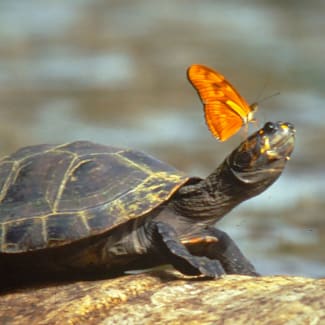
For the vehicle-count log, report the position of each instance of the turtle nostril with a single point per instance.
(290, 126)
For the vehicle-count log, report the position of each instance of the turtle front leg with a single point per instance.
(175, 253)
(216, 244)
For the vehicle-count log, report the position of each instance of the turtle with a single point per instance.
(83, 209)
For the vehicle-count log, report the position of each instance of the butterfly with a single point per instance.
(225, 110)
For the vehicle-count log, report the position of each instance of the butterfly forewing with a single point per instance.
(225, 110)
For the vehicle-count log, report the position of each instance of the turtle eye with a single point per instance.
(270, 127)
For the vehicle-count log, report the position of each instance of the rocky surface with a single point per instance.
(114, 72)
(168, 298)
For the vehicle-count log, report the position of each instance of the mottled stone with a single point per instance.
(169, 298)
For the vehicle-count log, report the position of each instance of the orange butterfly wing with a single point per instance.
(225, 110)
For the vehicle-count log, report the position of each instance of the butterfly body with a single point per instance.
(225, 110)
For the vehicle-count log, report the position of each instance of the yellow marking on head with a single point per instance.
(266, 145)
(272, 154)
(284, 127)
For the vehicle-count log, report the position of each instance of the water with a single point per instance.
(114, 73)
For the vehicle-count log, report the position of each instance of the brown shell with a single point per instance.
(53, 195)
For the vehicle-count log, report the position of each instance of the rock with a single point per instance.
(168, 298)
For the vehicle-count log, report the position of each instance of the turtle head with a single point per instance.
(249, 170)
(262, 157)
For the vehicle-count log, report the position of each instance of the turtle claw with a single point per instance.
(182, 259)
(209, 268)
(225, 251)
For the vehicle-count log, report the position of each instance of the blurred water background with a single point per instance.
(114, 72)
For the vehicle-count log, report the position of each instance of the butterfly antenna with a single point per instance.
(268, 97)
(258, 99)
(261, 99)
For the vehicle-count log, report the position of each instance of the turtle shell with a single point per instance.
(54, 195)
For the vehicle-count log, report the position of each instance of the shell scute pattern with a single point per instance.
(20, 234)
(52, 195)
